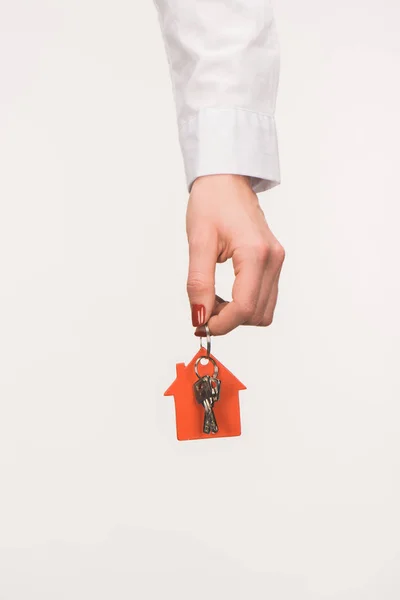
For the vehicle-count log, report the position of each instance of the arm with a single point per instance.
(224, 65)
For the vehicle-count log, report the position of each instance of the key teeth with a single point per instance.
(212, 423)
(206, 423)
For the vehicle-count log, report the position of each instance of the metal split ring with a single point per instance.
(210, 358)
(208, 340)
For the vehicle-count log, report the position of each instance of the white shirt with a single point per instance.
(224, 64)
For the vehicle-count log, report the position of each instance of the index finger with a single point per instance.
(249, 267)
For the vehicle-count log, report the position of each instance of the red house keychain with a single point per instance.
(206, 398)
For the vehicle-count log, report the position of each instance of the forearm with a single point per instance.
(224, 63)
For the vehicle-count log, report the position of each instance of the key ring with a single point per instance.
(210, 358)
(208, 340)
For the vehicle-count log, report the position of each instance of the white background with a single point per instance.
(97, 498)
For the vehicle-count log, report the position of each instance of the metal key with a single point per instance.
(209, 418)
(209, 423)
(207, 392)
(215, 388)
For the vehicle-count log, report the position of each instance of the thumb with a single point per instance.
(203, 254)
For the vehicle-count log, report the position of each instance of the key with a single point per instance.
(203, 389)
(215, 388)
(210, 423)
(207, 392)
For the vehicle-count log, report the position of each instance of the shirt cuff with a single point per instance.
(231, 140)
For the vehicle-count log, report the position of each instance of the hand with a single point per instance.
(224, 220)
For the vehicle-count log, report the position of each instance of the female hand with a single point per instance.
(224, 220)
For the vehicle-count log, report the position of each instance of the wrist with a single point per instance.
(223, 179)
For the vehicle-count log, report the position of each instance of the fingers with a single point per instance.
(269, 312)
(249, 264)
(203, 254)
(255, 291)
(265, 291)
(218, 306)
(269, 288)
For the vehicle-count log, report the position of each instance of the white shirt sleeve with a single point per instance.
(224, 64)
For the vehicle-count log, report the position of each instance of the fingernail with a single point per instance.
(198, 314)
(200, 332)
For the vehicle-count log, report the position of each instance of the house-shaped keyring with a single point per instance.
(190, 414)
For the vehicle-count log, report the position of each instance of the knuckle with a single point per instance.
(279, 253)
(262, 250)
(198, 283)
(256, 319)
(266, 321)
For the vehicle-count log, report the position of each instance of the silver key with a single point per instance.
(215, 388)
(204, 395)
(210, 422)
(207, 392)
